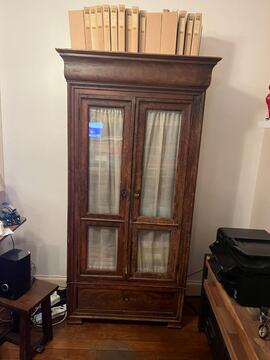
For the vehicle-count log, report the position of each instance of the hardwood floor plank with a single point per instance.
(122, 341)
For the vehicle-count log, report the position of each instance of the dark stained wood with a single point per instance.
(23, 307)
(138, 69)
(25, 337)
(134, 83)
(27, 302)
(122, 341)
(46, 320)
(237, 324)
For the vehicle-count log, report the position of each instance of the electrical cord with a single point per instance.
(195, 272)
(13, 242)
(53, 324)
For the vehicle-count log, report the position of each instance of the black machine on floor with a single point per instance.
(241, 263)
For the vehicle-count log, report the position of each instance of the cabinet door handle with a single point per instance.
(126, 298)
(137, 195)
(123, 193)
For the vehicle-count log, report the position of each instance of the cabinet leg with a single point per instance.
(74, 320)
(175, 325)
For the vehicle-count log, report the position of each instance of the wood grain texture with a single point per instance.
(38, 292)
(122, 68)
(122, 341)
(238, 324)
(135, 83)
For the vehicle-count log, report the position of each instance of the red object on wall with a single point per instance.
(268, 103)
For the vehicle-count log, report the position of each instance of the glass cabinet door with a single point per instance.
(105, 158)
(104, 185)
(156, 210)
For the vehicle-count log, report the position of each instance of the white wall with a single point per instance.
(33, 95)
(261, 207)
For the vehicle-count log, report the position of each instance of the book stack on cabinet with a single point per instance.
(117, 28)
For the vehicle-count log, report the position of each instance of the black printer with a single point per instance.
(241, 263)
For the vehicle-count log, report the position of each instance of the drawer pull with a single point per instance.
(126, 298)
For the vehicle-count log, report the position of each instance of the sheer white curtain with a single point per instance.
(105, 161)
(153, 251)
(158, 186)
(102, 248)
(159, 162)
(105, 148)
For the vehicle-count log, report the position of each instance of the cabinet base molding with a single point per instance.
(72, 320)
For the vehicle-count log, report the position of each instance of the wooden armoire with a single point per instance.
(134, 129)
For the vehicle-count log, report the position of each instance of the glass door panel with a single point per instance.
(102, 248)
(159, 182)
(104, 180)
(160, 154)
(153, 251)
(105, 148)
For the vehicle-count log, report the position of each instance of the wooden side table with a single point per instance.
(23, 307)
(231, 329)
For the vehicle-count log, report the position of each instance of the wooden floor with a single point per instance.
(122, 341)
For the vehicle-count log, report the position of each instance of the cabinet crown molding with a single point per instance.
(128, 69)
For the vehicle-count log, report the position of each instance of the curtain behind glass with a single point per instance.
(160, 162)
(102, 248)
(153, 251)
(105, 148)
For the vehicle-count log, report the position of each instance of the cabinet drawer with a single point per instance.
(130, 301)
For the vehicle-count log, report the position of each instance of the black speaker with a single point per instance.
(15, 273)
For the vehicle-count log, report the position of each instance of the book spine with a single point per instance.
(93, 24)
(114, 35)
(142, 27)
(100, 27)
(135, 29)
(87, 28)
(196, 38)
(189, 34)
(128, 30)
(121, 28)
(106, 27)
(181, 32)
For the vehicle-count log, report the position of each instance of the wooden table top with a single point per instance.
(27, 302)
(238, 324)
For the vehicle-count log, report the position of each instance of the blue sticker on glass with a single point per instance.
(95, 129)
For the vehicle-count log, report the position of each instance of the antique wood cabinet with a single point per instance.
(134, 128)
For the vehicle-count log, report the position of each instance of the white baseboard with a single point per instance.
(55, 279)
(193, 286)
